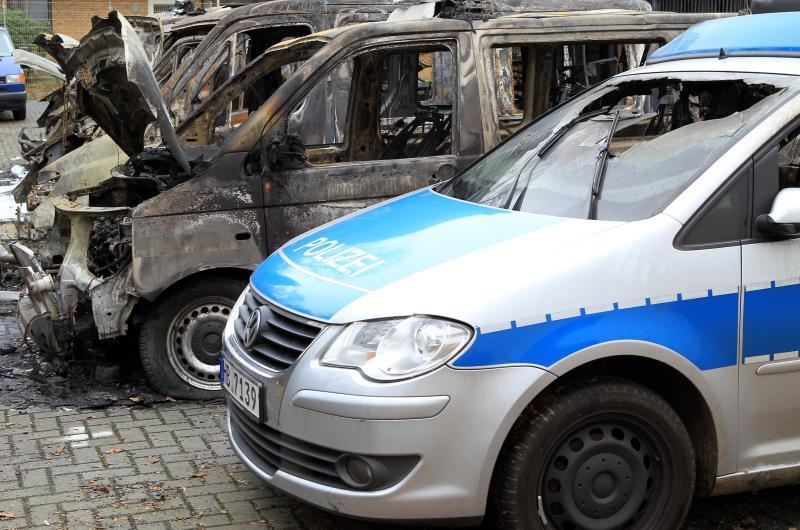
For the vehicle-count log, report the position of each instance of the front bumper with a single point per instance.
(452, 422)
(15, 100)
(39, 311)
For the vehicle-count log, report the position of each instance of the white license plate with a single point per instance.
(242, 388)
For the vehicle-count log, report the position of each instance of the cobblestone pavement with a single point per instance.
(9, 130)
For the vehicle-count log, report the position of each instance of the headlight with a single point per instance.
(15, 78)
(388, 350)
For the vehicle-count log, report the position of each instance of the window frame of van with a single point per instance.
(525, 37)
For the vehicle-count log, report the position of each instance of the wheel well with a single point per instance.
(675, 389)
(226, 272)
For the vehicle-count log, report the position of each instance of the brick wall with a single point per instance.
(74, 17)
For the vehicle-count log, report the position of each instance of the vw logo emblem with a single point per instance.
(252, 329)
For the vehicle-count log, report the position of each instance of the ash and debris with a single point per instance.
(90, 380)
(10, 280)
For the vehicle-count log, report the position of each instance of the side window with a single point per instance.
(726, 219)
(379, 105)
(529, 79)
(165, 66)
(419, 124)
(320, 119)
(215, 76)
(777, 169)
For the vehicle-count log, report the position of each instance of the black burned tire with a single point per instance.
(595, 455)
(20, 114)
(181, 338)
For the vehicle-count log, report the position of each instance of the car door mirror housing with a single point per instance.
(784, 217)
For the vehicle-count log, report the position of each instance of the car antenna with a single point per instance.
(722, 54)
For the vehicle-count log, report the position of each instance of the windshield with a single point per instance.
(6, 47)
(624, 150)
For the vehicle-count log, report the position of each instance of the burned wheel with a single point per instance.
(596, 456)
(181, 339)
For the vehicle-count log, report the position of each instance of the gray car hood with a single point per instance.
(116, 86)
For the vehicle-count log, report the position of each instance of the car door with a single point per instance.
(385, 120)
(769, 370)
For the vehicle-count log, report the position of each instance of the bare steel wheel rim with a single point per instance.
(194, 341)
(602, 476)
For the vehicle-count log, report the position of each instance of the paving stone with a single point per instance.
(35, 477)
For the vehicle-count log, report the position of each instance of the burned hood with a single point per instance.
(116, 86)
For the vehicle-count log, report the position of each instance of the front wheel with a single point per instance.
(181, 339)
(596, 456)
(19, 114)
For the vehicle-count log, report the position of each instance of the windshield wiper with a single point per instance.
(600, 169)
(546, 146)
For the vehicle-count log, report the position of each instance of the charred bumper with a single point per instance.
(39, 310)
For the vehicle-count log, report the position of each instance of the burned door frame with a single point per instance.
(488, 40)
(198, 127)
(187, 78)
(322, 200)
(169, 61)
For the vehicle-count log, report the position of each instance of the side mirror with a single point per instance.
(784, 217)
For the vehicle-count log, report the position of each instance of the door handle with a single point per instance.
(778, 367)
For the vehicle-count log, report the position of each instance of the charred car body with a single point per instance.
(221, 41)
(168, 242)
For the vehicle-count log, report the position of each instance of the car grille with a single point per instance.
(283, 338)
(271, 450)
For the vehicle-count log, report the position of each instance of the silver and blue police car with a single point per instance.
(593, 323)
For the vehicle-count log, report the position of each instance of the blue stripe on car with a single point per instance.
(329, 268)
(765, 312)
(704, 330)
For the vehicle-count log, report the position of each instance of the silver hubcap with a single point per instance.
(194, 341)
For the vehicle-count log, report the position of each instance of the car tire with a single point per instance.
(595, 455)
(181, 337)
(20, 114)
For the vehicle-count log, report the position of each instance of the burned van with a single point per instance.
(165, 246)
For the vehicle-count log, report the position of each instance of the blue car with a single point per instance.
(12, 79)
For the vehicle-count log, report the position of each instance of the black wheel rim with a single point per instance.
(601, 477)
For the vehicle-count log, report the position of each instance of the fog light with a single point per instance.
(359, 471)
(354, 470)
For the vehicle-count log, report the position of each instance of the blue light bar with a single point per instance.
(767, 35)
